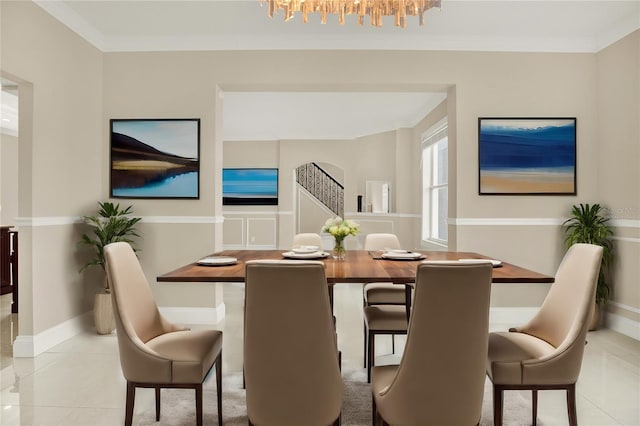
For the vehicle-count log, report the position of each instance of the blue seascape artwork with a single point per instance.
(527, 156)
(250, 186)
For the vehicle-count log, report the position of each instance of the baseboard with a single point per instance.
(186, 315)
(623, 325)
(26, 346)
(504, 315)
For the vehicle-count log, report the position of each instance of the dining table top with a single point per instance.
(359, 266)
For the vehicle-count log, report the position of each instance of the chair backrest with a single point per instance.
(563, 318)
(307, 239)
(291, 366)
(136, 313)
(381, 242)
(441, 376)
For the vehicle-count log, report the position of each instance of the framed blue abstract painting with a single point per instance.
(527, 156)
(155, 158)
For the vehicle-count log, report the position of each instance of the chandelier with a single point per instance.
(376, 9)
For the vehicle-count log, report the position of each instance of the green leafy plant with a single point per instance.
(590, 224)
(110, 224)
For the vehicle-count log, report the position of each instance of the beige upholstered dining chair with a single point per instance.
(440, 379)
(153, 352)
(384, 304)
(546, 353)
(307, 239)
(290, 354)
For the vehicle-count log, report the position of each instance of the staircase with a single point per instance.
(322, 186)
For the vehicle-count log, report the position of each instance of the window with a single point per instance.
(435, 172)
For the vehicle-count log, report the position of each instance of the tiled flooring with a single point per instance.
(79, 381)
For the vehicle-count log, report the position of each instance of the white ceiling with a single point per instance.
(503, 25)
(512, 25)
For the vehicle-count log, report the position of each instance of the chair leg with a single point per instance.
(199, 404)
(393, 343)
(157, 404)
(374, 411)
(131, 399)
(365, 344)
(219, 386)
(534, 406)
(372, 354)
(571, 405)
(497, 405)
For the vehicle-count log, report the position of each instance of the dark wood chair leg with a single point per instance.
(157, 404)
(374, 411)
(366, 341)
(497, 405)
(199, 405)
(571, 405)
(534, 406)
(131, 399)
(219, 386)
(393, 343)
(372, 346)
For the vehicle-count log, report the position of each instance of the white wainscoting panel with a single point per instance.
(261, 233)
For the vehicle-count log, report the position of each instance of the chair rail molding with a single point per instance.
(71, 220)
(495, 221)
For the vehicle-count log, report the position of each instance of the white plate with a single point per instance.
(217, 261)
(493, 261)
(406, 255)
(313, 255)
(305, 249)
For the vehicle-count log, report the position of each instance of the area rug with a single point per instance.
(178, 406)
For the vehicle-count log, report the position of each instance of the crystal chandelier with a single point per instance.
(376, 9)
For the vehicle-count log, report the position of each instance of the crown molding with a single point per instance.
(75, 22)
(414, 42)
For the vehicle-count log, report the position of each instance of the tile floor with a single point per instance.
(79, 382)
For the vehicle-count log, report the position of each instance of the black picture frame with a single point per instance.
(154, 158)
(527, 156)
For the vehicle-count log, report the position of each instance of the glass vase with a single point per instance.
(338, 250)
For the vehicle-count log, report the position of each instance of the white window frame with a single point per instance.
(430, 138)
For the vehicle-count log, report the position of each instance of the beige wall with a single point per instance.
(8, 179)
(478, 84)
(377, 158)
(618, 153)
(76, 89)
(61, 165)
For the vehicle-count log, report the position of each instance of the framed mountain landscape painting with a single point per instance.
(156, 158)
(527, 156)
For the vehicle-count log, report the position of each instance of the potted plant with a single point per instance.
(109, 225)
(590, 224)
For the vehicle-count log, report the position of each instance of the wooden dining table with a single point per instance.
(359, 266)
